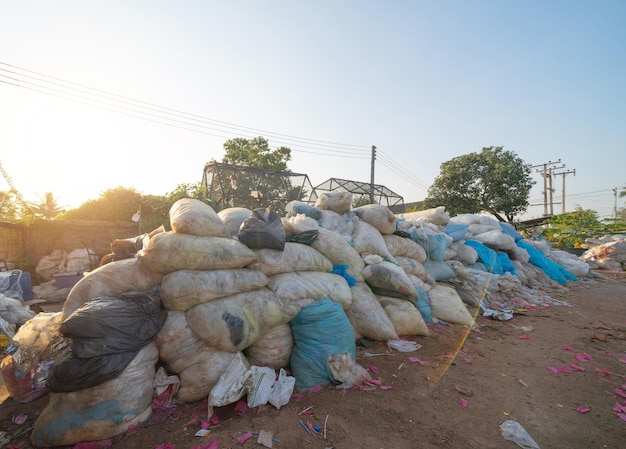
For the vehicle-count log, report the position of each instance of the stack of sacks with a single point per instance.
(382, 269)
(217, 305)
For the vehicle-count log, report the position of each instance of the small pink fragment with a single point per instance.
(245, 437)
(204, 424)
(371, 381)
(191, 421)
(19, 419)
(241, 407)
(559, 369)
(607, 354)
(582, 409)
(467, 360)
(567, 348)
(576, 367)
(623, 360)
(619, 408)
(619, 392)
(622, 416)
(421, 362)
(297, 396)
(449, 356)
(524, 337)
(315, 389)
(478, 331)
(165, 446)
(603, 372)
(583, 357)
(386, 387)
(373, 369)
(215, 420)
(212, 445)
(463, 402)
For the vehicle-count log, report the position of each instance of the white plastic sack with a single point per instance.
(339, 201)
(367, 315)
(111, 279)
(232, 218)
(378, 216)
(367, 240)
(183, 289)
(446, 305)
(404, 316)
(312, 285)
(294, 257)
(192, 216)
(170, 251)
(401, 246)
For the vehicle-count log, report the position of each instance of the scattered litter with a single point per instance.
(463, 402)
(307, 411)
(524, 337)
(583, 357)
(245, 437)
(19, 419)
(513, 431)
(265, 438)
(403, 345)
(583, 409)
(619, 392)
(602, 372)
(567, 348)
(523, 383)
(559, 369)
(500, 315)
(203, 433)
(421, 362)
(576, 367)
(524, 328)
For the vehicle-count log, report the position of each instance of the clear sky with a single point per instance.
(423, 81)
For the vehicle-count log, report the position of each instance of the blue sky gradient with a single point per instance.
(423, 81)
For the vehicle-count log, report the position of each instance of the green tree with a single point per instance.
(118, 204)
(570, 230)
(255, 152)
(494, 181)
(8, 206)
(48, 207)
(250, 177)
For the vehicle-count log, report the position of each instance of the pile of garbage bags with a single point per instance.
(224, 294)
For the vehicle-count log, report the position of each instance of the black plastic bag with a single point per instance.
(264, 229)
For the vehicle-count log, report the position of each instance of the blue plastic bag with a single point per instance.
(319, 330)
(505, 262)
(487, 256)
(554, 271)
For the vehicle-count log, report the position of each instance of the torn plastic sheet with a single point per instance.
(501, 315)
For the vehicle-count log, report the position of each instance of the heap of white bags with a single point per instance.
(230, 302)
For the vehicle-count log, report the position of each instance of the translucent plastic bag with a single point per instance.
(513, 431)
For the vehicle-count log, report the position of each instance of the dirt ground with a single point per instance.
(454, 392)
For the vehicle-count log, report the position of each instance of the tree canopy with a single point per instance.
(48, 207)
(494, 181)
(255, 152)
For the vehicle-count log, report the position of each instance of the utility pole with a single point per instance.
(372, 175)
(563, 173)
(544, 173)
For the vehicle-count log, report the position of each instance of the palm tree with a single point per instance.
(622, 194)
(48, 208)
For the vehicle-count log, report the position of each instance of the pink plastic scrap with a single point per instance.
(241, 407)
(567, 348)
(165, 446)
(582, 409)
(315, 389)
(619, 408)
(583, 357)
(603, 372)
(619, 392)
(19, 419)
(576, 367)
(559, 369)
(372, 369)
(421, 362)
(386, 387)
(245, 437)
(622, 416)
(524, 337)
(463, 402)
(193, 420)
(297, 396)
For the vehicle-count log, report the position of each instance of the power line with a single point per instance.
(106, 100)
